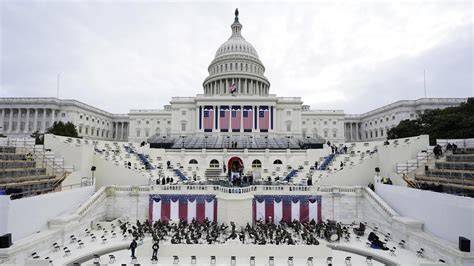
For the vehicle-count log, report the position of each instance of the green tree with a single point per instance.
(39, 138)
(61, 129)
(448, 123)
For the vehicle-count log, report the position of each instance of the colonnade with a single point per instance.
(353, 132)
(121, 130)
(27, 120)
(244, 86)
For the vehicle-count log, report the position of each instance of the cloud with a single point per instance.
(122, 56)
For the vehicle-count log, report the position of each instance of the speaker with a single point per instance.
(377, 170)
(6, 241)
(464, 244)
(93, 168)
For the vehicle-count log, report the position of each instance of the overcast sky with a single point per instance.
(335, 55)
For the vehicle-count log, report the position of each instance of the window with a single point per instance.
(376, 133)
(412, 115)
(168, 122)
(158, 122)
(381, 120)
(147, 132)
(381, 132)
(288, 127)
(386, 119)
(288, 113)
(393, 117)
(183, 112)
(256, 164)
(139, 122)
(63, 114)
(371, 123)
(138, 132)
(304, 122)
(80, 117)
(325, 122)
(87, 130)
(87, 118)
(193, 161)
(334, 134)
(80, 130)
(214, 163)
(183, 126)
(277, 161)
(147, 122)
(93, 119)
(333, 122)
(325, 133)
(375, 122)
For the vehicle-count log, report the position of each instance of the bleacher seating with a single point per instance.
(20, 176)
(452, 174)
(225, 142)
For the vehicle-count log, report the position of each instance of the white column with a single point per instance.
(52, 116)
(18, 120)
(10, 121)
(3, 120)
(44, 120)
(27, 122)
(350, 128)
(121, 131)
(35, 125)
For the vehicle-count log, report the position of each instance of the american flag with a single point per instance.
(248, 118)
(233, 88)
(224, 118)
(235, 118)
(208, 119)
(263, 118)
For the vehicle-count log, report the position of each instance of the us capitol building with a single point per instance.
(236, 101)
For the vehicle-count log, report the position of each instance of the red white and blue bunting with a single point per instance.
(287, 208)
(182, 207)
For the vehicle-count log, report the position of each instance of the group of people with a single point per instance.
(209, 232)
(337, 150)
(438, 151)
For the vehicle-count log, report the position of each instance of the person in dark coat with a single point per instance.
(155, 248)
(132, 247)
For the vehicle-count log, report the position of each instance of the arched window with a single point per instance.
(256, 164)
(193, 161)
(277, 161)
(214, 163)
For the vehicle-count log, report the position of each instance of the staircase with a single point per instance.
(180, 175)
(20, 176)
(453, 174)
(212, 173)
(291, 175)
(327, 160)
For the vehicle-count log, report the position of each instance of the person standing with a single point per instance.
(155, 247)
(132, 247)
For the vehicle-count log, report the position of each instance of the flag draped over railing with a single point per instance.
(224, 117)
(287, 208)
(235, 118)
(248, 118)
(182, 207)
(263, 118)
(208, 118)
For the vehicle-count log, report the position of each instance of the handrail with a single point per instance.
(380, 203)
(84, 208)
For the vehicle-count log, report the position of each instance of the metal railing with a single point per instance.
(409, 166)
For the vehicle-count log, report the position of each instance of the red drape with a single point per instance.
(269, 210)
(165, 210)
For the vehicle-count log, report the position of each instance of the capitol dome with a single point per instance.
(236, 68)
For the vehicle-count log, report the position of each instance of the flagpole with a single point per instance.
(424, 80)
(57, 88)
